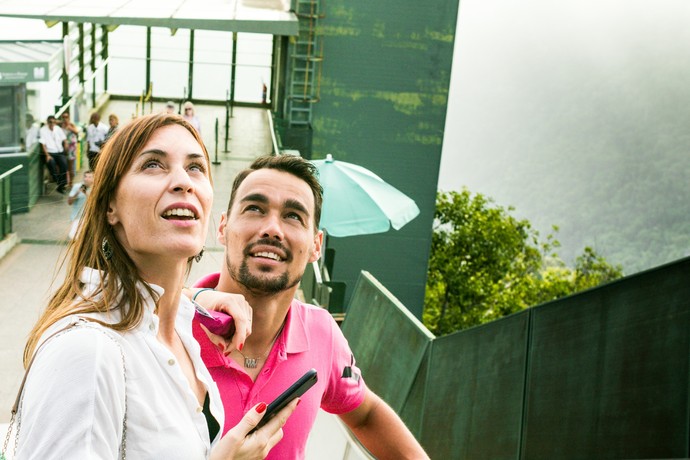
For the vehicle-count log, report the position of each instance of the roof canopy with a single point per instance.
(22, 62)
(254, 16)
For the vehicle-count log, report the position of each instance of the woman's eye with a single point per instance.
(152, 164)
(197, 167)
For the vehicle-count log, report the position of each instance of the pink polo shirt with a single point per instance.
(310, 338)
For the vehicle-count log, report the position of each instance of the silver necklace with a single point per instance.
(252, 363)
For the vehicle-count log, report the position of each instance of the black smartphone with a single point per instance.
(296, 390)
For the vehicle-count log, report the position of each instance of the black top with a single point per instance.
(213, 426)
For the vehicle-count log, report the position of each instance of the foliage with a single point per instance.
(485, 264)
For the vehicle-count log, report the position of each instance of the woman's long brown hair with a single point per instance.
(119, 275)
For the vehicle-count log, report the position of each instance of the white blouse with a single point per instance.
(73, 402)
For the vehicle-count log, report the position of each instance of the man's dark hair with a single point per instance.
(291, 164)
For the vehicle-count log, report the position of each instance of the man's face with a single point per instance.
(269, 234)
(51, 122)
(88, 179)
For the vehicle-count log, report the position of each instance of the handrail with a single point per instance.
(81, 89)
(5, 202)
(274, 140)
(7, 173)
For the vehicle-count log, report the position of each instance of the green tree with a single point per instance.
(485, 264)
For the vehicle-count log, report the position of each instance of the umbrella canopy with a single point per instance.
(358, 202)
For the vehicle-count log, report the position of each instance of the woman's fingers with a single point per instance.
(238, 443)
(224, 345)
(234, 305)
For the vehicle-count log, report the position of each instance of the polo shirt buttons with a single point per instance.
(199, 409)
(171, 362)
(152, 326)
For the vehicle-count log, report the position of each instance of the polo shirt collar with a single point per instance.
(297, 337)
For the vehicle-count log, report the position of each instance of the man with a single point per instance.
(53, 142)
(270, 234)
(77, 199)
(170, 107)
(95, 136)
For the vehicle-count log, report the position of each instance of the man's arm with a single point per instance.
(73, 196)
(381, 431)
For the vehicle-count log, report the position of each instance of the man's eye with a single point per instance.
(295, 216)
(252, 207)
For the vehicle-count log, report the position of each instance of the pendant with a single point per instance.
(250, 363)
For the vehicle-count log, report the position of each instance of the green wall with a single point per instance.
(27, 183)
(603, 374)
(384, 92)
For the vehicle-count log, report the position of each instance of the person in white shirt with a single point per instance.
(133, 383)
(77, 199)
(96, 133)
(53, 142)
(31, 133)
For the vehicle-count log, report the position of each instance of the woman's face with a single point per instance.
(162, 205)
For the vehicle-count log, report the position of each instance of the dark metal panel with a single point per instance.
(473, 408)
(380, 331)
(608, 375)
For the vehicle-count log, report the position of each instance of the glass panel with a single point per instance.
(254, 56)
(127, 68)
(170, 63)
(212, 58)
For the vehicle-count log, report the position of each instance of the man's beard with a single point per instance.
(258, 284)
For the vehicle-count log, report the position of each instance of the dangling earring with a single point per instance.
(106, 249)
(200, 255)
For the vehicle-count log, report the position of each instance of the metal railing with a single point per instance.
(274, 136)
(5, 202)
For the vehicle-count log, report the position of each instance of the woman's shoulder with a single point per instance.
(80, 341)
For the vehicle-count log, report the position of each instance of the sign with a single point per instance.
(23, 72)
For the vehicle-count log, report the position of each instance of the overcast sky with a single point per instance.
(503, 43)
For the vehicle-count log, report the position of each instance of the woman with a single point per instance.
(72, 134)
(114, 123)
(134, 381)
(191, 117)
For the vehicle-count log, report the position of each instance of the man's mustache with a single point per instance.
(268, 242)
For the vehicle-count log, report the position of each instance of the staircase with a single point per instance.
(306, 56)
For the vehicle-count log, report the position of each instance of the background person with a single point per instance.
(31, 132)
(170, 108)
(113, 123)
(270, 233)
(191, 117)
(53, 143)
(77, 198)
(95, 136)
(72, 136)
(143, 224)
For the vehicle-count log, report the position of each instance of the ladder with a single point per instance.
(306, 56)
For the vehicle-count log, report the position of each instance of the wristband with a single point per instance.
(200, 291)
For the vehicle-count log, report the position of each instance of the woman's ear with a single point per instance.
(112, 215)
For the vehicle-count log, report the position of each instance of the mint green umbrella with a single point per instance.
(358, 202)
